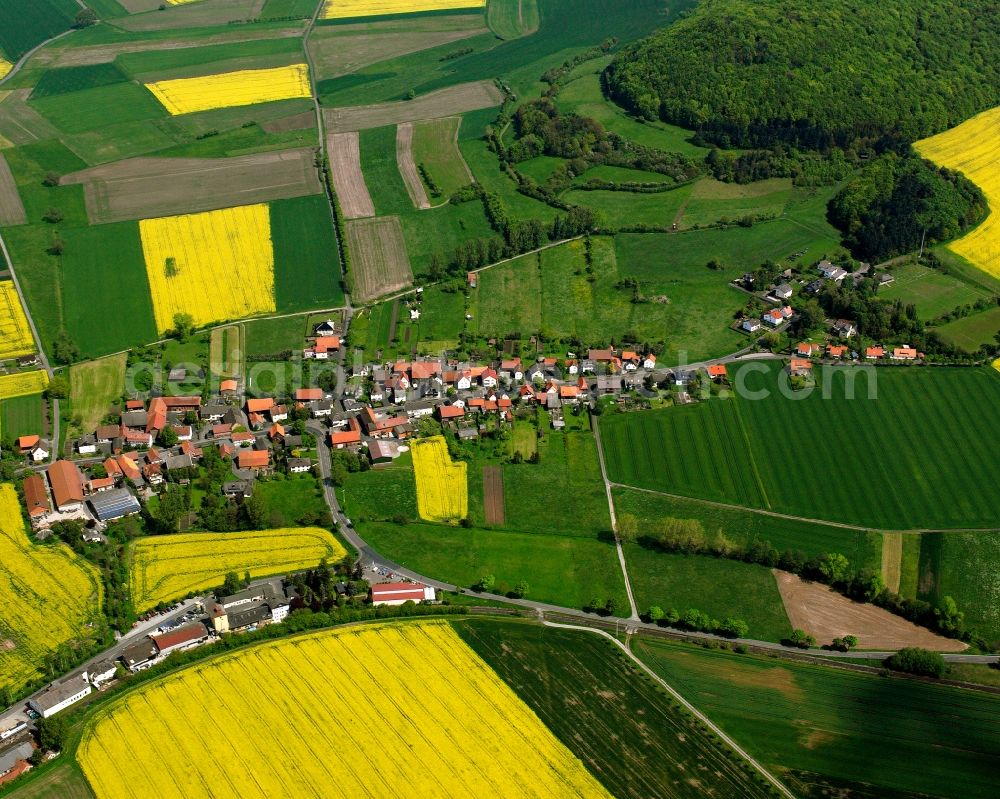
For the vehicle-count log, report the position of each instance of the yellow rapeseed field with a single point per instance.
(22, 384)
(228, 89)
(996, 364)
(973, 148)
(404, 708)
(15, 335)
(342, 9)
(48, 595)
(167, 567)
(216, 265)
(442, 491)
(5, 67)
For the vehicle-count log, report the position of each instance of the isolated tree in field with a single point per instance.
(183, 326)
(231, 584)
(246, 578)
(486, 583)
(521, 589)
(63, 348)
(85, 17)
(834, 567)
(170, 267)
(57, 247)
(51, 179)
(610, 607)
(52, 215)
(628, 528)
(914, 660)
(654, 614)
(58, 388)
(801, 639)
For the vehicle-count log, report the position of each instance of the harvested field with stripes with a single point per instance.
(379, 264)
(11, 207)
(442, 103)
(493, 498)
(822, 612)
(892, 558)
(139, 188)
(407, 167)
(348, 179)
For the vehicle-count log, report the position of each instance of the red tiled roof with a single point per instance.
(421, 370)
(308, 394)
(717, 370)
(254, 458)
(35, 498)
(67, 483)
(404, 591)
(221, 429)
(27, 443)
(341, 437)
(228, 385)
(450, 411)
(260, 405)
(187, 634)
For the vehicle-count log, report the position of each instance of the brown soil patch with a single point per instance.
(348, 179)
(140, 188)
(493, 506)
(407, 167)
(825, 614)
(22, 124)
(442, 103)
(303, 121)
(892, 560)
(11, 207)
(105, 53)
(379, 263)
(814, 738)
(338, 54)
(193, 15)
(393, 322)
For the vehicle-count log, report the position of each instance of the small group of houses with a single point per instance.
(877, 352)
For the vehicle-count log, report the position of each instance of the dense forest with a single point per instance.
(894, 203)
(851, 74)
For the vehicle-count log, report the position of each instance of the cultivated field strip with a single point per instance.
(348, 179)
(20, 123)
(15, 334)
(378, 255)
(493, 495)
(48, 595)
(442, 103)
(347, 9)
(442, 485)
(888, 450)
(215, 266)
(973, 148)
(22, 384)
(140, 188)
(376, 710)
(11, 207)
(168, 567)
(230, 89)
(192, 15)
(407, 167)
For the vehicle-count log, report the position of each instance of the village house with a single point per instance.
(836, 351)
(807, 349)
(799, 367)
(59, 696)
(751, 325)
(67, 486)
(843, 328)
(36, 498)
(393, 594)
(831, 271)
(717, 372)
(299, 465)
(258, 460)
(322, 347)
(904, 354)
(874, 353)
(783, 292)
(773, 317)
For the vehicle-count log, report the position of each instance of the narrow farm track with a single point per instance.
(614, 522)
(774, 781)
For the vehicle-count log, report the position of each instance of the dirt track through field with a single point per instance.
(348, 179)
(379, 263)
(141, 188)
(11, 207)
(892, 560)
(822, 612)
(442, 103)
(493, 506)
(407, 168)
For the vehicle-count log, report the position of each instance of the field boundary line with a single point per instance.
(790, 517)
(774, 781)
(753, 460)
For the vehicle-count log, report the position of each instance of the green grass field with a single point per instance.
(95, 386)
(226, 354)
(512, 19)
(74, 79)
(966, 567)
(306, 263)
(631, 736)
(714, 586)
(94, 109)
(286, 502)
(825, 730)
(621, 209)
(972, 332)
(932, 291)
(63, 779)
(435, 148)
(25, 25)
(22, 416)
(172, 63)
(771, 453)
(744, 527)
(562, 570)
(271, 336)
(553, 293)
